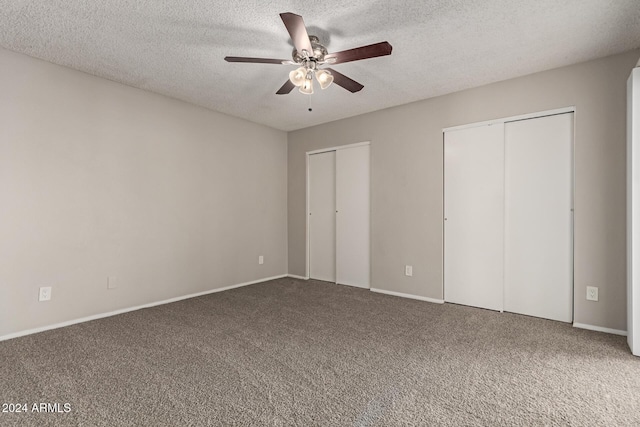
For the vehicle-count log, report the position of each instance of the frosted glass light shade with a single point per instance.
(307, 87)
(298, 76)
(324, 78)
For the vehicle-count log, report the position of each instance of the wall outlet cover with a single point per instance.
(45, 293)
(592, 293)
(112, 282)
(261, 260)
(408, 270)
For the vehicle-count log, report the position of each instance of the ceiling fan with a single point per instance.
(309, 54)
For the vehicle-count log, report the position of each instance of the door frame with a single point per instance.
(308, 199)
(504, 120)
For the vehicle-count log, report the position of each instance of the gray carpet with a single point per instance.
(289, 352)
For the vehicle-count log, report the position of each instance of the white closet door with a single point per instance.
(322, 216)
(538, 217)
(474, 216)
(352, 217)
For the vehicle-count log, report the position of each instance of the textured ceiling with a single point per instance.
(177, 48)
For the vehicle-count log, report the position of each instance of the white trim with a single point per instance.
(128, 309)
(410, 296)
(352, 285)
(339, 147)
(600, 329)
(573, 217)
(571, 109)
(307, 267)
(295, 276)
(442, 213)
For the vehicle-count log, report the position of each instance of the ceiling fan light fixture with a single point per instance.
(324, 78)
(307, 87)
(298, 76)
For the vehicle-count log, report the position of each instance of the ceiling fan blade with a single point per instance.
(344, 81)
(286, 88)
(254, 60)
(297, 31)
(358, 53)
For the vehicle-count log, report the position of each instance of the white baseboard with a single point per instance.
(600, 329)
(293, 276)
(352, 285)
(400, 294)
(128, 309)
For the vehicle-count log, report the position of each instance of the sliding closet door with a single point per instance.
(322, 216)
(473, 211)
(352, 217)
(538, 217)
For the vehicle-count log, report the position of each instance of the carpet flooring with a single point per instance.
(289, 352)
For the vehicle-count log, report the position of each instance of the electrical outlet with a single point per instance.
(112, 282)
(45, 293)
(592, 293)
(261, 260)
(408, 270)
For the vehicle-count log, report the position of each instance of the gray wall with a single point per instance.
(407, 183)
(99, 179)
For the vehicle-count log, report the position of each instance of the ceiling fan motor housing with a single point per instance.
(318, 54)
